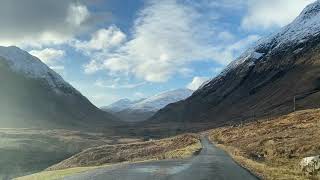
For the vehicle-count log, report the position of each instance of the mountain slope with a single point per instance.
(120, 105)
(160, 100)
(262, 81)
(133, 111)
(33, 95)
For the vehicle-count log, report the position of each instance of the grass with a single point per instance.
(182, 146)
(27, 151)
(53, 175)
(177, 147)
(273, 149)
(183, 152)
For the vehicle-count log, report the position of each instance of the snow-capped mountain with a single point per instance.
(142, 109)
(33, 95)
(305, 27)
(158, 101)
(121, 105)
(262, 82)
(22, 62)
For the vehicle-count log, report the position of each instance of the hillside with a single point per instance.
(273, 149)
(178, 147)
(175, 147)
(262, 82)
(33, 95)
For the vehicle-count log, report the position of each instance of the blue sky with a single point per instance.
(113, 49)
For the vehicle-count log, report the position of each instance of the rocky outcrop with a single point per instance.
(311, 165)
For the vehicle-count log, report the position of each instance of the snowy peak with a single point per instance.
(305, 27)
(158, 101)
(153, 103)
(311, 10)
(22, 62)
(120, 105)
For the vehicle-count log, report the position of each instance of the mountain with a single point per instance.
(158, 101)
(34, 96)
(120, 105)
(262, 82)
(133, 111)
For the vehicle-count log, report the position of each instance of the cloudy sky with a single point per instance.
(113, 49)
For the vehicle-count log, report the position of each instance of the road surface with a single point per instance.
(211, 164)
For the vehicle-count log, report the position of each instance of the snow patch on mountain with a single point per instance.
(121, 105)
(21, 61)
(158, 101)
(303, 28)
(153, 103)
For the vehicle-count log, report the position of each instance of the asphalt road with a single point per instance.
(211, 164)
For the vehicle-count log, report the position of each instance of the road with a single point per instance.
(210, 164)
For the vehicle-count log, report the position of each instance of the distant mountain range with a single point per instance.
(34, 96)
(262, 82)
(139, 110)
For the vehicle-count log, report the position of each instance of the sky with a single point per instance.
(114, 49)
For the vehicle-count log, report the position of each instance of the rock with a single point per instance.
(311, 165)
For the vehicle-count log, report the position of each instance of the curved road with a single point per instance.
(211, 164)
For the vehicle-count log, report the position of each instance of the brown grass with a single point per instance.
(273, 149)
(26, 151)
(176, 147)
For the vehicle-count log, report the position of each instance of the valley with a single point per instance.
(176, 109)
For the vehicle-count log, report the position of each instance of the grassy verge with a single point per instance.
(273, 149)
(53, 175)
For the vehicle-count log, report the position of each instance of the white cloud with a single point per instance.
(51, 57)
(48, 55)
(116, 65)
(186, 72)
(102, 40)
(267, 14)
(230, 4)
(167, 36)
(197, 82)
(116, 84)
(58, 68)
(92, 67)
(77, 14)
(33, 24)
(226, 36)
(243, 43)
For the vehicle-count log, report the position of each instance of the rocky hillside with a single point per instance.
(33, 95)
(263, 81)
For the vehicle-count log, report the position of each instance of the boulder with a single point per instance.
(311, 165)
